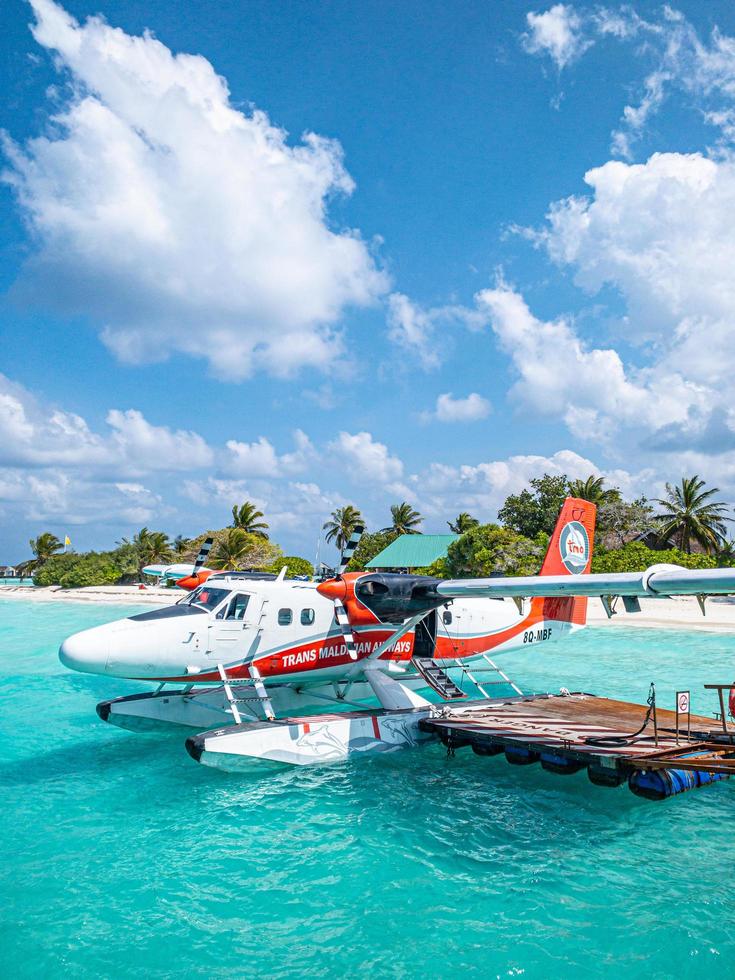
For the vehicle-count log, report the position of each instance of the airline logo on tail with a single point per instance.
(574, 547)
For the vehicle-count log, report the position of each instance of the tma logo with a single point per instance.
(574, 547)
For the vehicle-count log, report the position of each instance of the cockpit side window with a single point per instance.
(237, 606)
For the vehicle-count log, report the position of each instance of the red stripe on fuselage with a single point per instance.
(332, 652)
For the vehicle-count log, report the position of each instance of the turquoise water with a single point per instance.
(27, 582)
(122, 857)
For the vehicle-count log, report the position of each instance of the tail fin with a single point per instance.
(570, 548)
(570, 553)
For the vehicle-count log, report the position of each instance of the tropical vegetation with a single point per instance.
(405, 520)
(44, 547)
(690, 515)
(342, 524)
(462, 523)
(246, 517)
(237, 550)
(690, 524)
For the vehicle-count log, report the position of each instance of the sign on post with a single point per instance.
(682, 708)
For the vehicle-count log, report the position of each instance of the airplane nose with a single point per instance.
(86, 651)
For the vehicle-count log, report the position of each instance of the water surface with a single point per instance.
(122, 857)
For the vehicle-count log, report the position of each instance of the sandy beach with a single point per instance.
(120, 595)
(680, 613)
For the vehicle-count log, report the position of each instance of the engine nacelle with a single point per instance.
(383, 597)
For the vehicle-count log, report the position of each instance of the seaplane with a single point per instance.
(250, 662)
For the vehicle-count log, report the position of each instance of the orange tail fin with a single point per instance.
(570, 553)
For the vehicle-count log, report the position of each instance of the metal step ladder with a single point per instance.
(253, 681)
(491, 668)
(437, 679)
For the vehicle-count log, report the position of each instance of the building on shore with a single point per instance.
(412, 551)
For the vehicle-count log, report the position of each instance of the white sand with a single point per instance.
(122, 595)
(679, 613)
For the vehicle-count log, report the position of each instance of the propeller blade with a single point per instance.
(343, 621)
(349, 549)
(203, 554)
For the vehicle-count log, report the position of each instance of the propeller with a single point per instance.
(203, 554)
(349, 549)
(340, 610)
(196, 578)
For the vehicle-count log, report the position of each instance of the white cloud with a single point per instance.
(440, 490)
(178, 221)
(422, 333)
(259, 458)
(145, 447)
(469, 409)
(35, 435)
(703, 70)
(412, 328)
(557, 33)
(588, 387)
(362, 457)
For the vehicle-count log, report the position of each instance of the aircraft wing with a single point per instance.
(657, 581)
(169, 571)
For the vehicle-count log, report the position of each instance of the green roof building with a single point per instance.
(413, 551)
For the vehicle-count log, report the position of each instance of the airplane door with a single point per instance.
(227, 629)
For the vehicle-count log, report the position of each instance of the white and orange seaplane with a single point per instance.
(257, 656)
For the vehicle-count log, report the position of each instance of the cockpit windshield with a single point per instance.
(205, 597)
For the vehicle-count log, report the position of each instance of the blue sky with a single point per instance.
(507, 250)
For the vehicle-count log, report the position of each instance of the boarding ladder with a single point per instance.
(435, 675)
(437, 679)
(490, 668)
(254, 680)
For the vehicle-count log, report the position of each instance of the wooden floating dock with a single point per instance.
(569, 732)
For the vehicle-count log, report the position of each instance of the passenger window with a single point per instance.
(285, 616)
(307, 617)
(446, 617)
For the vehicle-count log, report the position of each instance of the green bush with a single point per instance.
(490, 549)
(636, 557)
(296, 566)
(72, 571)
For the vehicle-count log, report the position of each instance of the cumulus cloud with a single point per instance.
(662, 233)
(178, 221)
(481, 488)
(588, 387)
(364, 458)
(557, 33)
(32, 434)
(259, 458)
(469, 409)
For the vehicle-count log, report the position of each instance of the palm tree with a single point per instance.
(690, 515)
(236, 550)
(149, 547)
(245, 517)
(593, 489)
(181, 545)
(45, 546)
(462, 523)
(342, 523)
(405, 519)
(157, 547)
